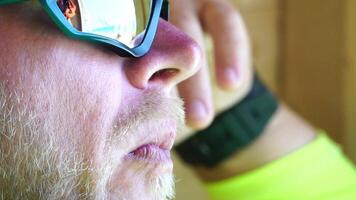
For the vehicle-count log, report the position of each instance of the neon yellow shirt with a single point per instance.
(318, 171)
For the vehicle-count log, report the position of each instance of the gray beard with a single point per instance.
(37, 165)
(33, 163)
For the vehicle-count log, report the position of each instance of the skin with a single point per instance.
(232, 70)
(84, 104)
(286, 132)
(92, 105)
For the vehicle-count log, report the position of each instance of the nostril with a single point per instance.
(164, 75)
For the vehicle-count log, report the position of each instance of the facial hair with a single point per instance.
(143, 116)
(37, 161)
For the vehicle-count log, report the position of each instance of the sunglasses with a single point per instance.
(127, 27)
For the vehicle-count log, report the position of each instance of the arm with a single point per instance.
(289, 161)
(299, 163)
(285, 133)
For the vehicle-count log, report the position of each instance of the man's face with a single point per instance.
(78, 121)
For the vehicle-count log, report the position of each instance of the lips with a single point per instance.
(151, 153)
(155, 150)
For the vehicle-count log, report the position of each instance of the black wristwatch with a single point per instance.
(232, 130)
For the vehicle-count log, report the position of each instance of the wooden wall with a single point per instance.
(262, 18)
(317, 70)
(313, 59)
(350, 78)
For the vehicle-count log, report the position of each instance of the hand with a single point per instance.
(232, 69)
(231, 48)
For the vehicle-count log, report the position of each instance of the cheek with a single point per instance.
(79, 97)
(76, 85)
(90, 99)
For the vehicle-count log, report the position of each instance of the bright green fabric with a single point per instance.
(318, 171)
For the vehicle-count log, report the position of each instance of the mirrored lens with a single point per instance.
(122, 20)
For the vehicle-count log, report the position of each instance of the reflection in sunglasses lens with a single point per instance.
(123, 20)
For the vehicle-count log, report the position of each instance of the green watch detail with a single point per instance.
(232, 130)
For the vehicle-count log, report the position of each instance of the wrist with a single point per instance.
(232, 130)
(247, 136)
(285, 133)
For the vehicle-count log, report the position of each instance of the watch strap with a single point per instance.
(231, 130)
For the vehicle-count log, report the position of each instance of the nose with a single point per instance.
(173, 57)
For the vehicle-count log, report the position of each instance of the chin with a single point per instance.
(160, 188)
(140, 179)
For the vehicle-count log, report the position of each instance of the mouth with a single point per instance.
(154, 151)
(151, 153)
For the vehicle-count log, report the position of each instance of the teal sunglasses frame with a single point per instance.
(159, 9)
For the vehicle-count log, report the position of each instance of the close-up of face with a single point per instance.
(78, 121)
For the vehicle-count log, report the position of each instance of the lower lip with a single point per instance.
(150, 153)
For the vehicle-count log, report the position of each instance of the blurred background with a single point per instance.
(305, 50)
